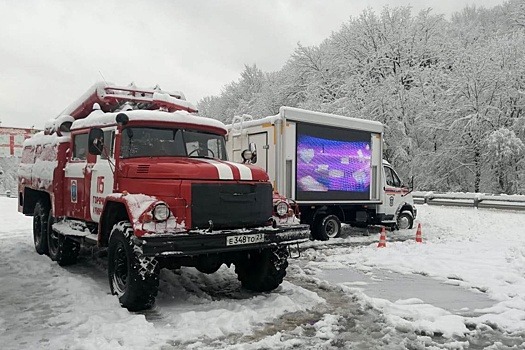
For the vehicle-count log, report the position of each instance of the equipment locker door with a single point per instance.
(261, 141)
(75, 173)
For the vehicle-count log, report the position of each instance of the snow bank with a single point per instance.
(477, 249)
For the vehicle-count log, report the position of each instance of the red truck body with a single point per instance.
(122, 159)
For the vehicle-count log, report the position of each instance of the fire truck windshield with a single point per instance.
(162, 142)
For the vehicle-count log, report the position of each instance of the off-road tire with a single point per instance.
(405, 221)
(263, 271)
(133, 277)
(61, 249)
(326, 227)
(40, 227)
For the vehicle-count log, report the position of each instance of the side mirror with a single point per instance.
(96, 141)
(122, 119)
(246, 156)
(410, 186)
(250, 155)
(253, 148)
(64, 128)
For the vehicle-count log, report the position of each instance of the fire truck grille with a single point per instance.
(231, 206)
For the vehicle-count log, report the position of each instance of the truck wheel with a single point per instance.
(132, 277)
(264, 270)
(61, 249)
(327, 227)
(40, 218)
(405, 220)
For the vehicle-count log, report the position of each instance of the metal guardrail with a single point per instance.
(476, 200)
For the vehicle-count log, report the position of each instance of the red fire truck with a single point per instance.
(137, 171)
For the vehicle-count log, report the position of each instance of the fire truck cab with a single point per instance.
(136, 171)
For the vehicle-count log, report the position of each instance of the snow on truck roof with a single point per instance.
(306, 116)
(110, 96)
(98, 118)
(40, 138)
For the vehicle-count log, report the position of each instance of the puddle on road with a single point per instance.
(394, 286)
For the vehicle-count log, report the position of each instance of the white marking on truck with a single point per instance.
(246, 172)
(224, 170)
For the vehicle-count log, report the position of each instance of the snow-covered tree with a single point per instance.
(505, 150)
(442, 88)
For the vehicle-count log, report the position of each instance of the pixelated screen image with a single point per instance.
(332, 164)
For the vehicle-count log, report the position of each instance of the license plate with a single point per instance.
(245, 239)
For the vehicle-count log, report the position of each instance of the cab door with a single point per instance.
(101, 177)
(393, 194)
(74, 177)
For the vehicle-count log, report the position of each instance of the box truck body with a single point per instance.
(330, 165)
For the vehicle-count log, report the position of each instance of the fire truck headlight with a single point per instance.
(161, 212)
(281, 208)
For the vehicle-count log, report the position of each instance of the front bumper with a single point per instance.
(197, 243)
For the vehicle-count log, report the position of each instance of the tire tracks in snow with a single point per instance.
(482, 336)
(35, 290)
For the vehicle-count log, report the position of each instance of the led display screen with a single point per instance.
(332, 163)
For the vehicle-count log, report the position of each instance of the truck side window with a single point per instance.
(391, 178)
(80, 147)
(397, 181)
(108, 144)
(388, 177)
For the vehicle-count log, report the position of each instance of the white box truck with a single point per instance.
(330, 165)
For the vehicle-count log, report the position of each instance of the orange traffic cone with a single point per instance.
(419, 239)
(382, 238)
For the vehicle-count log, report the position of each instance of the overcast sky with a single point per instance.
(53, 51)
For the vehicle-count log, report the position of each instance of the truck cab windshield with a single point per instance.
(162, 142)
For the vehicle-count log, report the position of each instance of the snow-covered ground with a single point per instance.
(481, 251)
(464, 287)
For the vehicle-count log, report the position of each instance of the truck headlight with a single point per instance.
(281, 208)
(161, 212)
